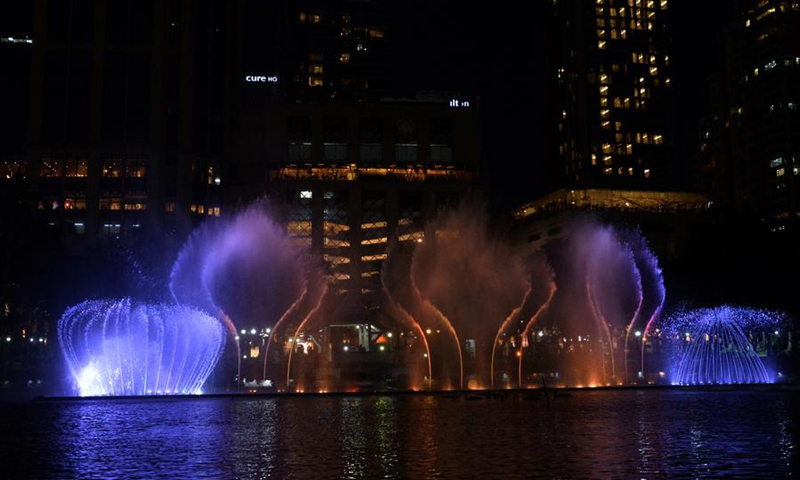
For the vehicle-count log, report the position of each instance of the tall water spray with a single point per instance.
(247, 270)
(121, 347)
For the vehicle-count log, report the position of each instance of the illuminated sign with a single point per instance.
(459, 103)
(261, 79)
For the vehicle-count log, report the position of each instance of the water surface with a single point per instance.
(625, 433)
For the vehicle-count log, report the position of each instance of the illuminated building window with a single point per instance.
(344, 57)
(375, 33)
(169, 207)
(603, 101)
(780, 172)
(654, 71)
(629, 148)
(608, 171)
(316, 68)
(601, 33)
(606, 148)
(135, 168)
(605, 113)
(315, 82)
(594, 159)
(630, 170)
(75, 202)
(607, 160)
(112, 168)
(51, 167)
(658, 139)
(302, 17)
(315, 18)
(110, 202)
(11, 168)
(601, 44)
(76, 168)
(135, 201)
(606, 124)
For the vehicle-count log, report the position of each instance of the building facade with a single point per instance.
(615, 99)
(748, 147)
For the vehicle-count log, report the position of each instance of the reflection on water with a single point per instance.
(658, 433)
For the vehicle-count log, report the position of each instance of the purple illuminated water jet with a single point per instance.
(722, 345)
(607, 287)
(123, 347)
(249, 271)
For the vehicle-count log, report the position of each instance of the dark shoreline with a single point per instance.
(471, 394)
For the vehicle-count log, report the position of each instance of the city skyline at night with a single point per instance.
(134, 126)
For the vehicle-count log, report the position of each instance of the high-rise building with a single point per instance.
(615, 142)
(342, 51)
(749, 147)
(615, 102)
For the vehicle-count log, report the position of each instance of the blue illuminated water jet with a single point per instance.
(122, 347)
(722, 345)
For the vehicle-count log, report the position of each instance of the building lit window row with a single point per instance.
(410, 173)
(647, 58)
(625, 171)
(336, 259)
(79, 168)
(204, 210)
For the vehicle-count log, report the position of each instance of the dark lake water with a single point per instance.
(625, 433)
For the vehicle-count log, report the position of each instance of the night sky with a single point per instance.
(490, 55)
